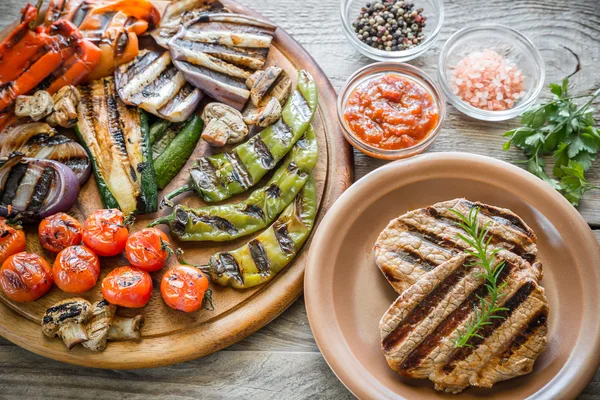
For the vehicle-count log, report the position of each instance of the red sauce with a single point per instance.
(391, 112)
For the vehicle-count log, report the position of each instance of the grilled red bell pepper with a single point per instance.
(45, 58)
(113, 25)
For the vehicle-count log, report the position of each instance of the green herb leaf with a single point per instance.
(556, 89)
(489, 308)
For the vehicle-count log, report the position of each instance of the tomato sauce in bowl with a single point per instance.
(391, 112)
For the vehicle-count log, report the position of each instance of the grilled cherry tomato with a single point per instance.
(25, 277)
(127, 287)
(59, 231)
(148, 249)
(183, 288)
(105, 232)
(12, 240)
(76, 269)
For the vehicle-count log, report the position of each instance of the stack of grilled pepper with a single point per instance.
(35, 58)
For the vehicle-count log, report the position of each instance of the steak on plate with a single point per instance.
(420, 240)
(419, 330)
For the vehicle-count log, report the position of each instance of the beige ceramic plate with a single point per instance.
(346, 295)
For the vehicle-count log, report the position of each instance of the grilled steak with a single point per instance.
(419, 330)
(441, 289)
(420, 240)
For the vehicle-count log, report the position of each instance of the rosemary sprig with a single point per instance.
(488, 309)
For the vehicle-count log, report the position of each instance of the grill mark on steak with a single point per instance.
(431, 239)
(514, 247)
(507, 219)
(537, 321)
(449, 325)
(425, 307)
(511, 304)
(410, 256)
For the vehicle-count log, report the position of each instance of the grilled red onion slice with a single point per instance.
(33, 188)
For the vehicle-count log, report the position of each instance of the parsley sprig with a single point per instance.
(566, 131)
(479, 241)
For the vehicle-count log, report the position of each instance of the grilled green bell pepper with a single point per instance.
(224, 175)
(263, 257)
(230, 221)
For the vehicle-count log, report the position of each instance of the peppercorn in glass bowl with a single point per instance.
(490, 72)
(392, 30)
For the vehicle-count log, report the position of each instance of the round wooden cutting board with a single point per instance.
(171, 336)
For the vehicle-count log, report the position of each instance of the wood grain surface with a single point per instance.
(281, 361)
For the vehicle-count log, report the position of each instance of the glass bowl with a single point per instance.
(432, 9)
(511, 45)
(407, 71)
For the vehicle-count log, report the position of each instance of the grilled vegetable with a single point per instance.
(65, 102)
(25, 277)
(114, 26)
(44, 58)
(36, 107)
(224, 125)
(59, 231)
(158, 129)
(231, 221)
(76, 269)
(185, 288)
(39, 140)
(266, 88)
(218, 52)
(106, 232)
(12, 239)
(263, 257)
(152, 82)
(66, 319)
(117, 140)
(176, 153)
(180, 13)
(33, 189)
(127, 287)
(224, 175)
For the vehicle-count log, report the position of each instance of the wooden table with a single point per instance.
(282, 361)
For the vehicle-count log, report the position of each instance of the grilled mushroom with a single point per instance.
(36, 107)
(65, 107)
(272, 83)
(67, 319)
(263, 83)
(97, 328)
(264, 116)
(224, 125)
(123, 328)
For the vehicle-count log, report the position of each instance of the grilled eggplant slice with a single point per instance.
(263, 257)
(180, 13)
(39, 140)
(224, 175)
(117, 139)
(218, 52)
(153, 83)
(32, 189)
(230, 221)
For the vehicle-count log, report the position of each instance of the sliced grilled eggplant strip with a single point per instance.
(39, 140)
(118, 141)
(153, 83)
(224, 175)
(176, 16)
(263, 257)
(218, 52)
(33, 189)
(230, 221)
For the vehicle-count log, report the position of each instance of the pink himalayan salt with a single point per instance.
(487, 81)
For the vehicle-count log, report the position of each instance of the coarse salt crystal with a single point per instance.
(488, 81)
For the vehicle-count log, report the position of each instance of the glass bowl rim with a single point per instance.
(478, 113)
(414, 73)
